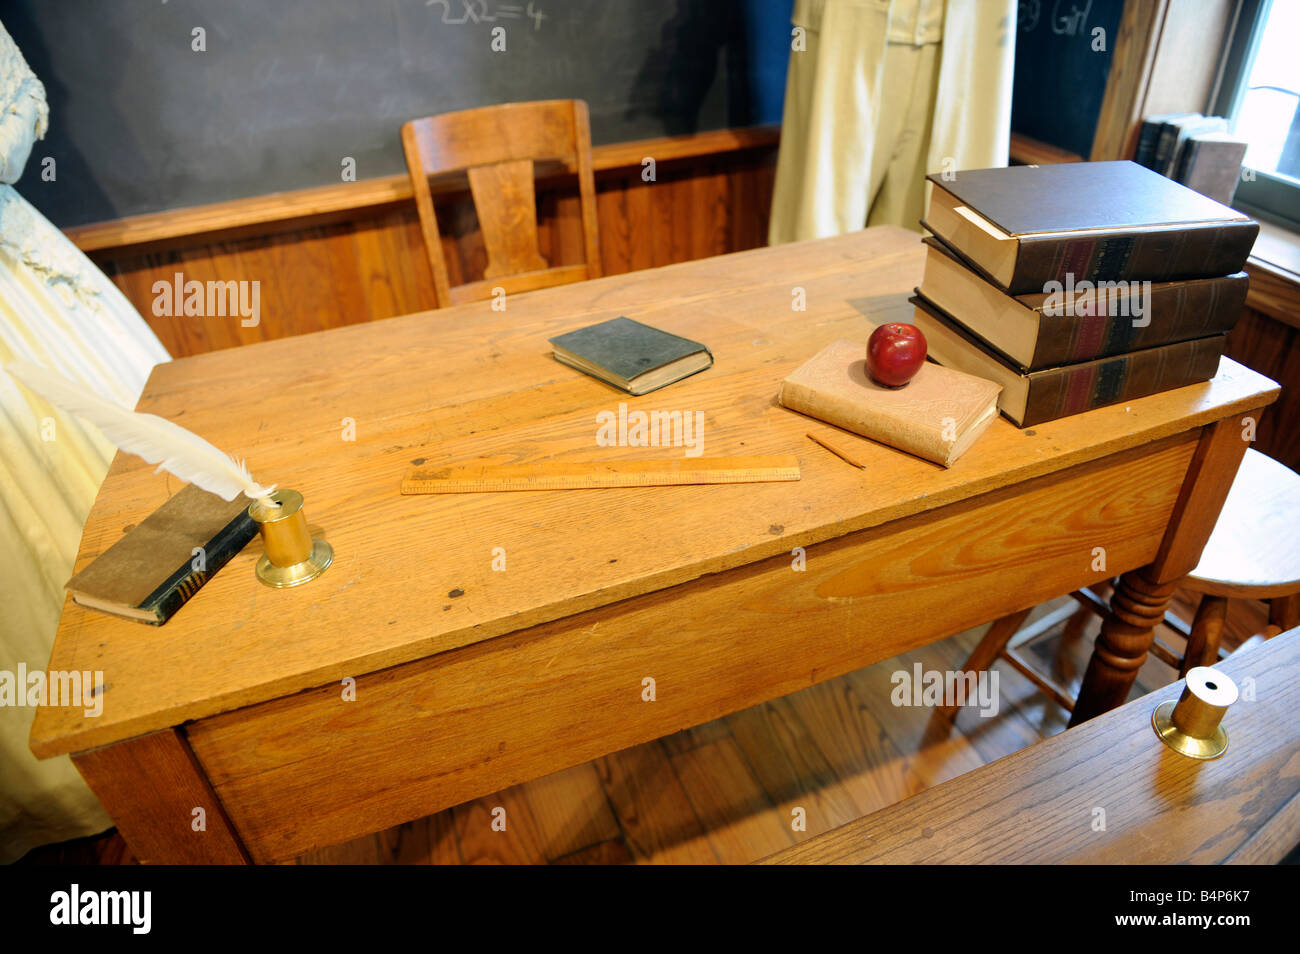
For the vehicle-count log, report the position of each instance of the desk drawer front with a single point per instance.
(312, 769)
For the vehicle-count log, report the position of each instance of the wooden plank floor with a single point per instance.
(730, 791)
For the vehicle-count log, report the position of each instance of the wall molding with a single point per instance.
(278, 211)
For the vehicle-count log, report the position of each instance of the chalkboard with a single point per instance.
(1061, 69)
(147, 114)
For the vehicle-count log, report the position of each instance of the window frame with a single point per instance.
(1267, 196)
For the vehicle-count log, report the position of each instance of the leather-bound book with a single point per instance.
(1079, 323)
(631, 355)
(937, 415)
(1026, 226)
(1051, 393)
(157, 566)
(1211, 165)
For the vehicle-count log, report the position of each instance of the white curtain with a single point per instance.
(881, 93)
(59, 310)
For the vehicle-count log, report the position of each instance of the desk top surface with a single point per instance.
(1040, 805)
(413, 576)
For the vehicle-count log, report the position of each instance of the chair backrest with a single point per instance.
(496, 146)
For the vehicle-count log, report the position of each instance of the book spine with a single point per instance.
(185, 581)
(855, 417)
(1158, 256)
(1146, 147)
(1108, 322)
(1166, 142)
(1071, 390)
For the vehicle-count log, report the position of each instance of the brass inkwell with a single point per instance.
(291, 556)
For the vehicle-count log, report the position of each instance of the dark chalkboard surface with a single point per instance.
(286, 90)
(1059, 78)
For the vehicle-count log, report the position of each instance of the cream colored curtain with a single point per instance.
(59, 310)
(881, 93)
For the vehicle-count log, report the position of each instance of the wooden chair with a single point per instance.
(1253, 553)
(497, 146)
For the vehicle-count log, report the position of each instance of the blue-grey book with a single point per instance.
(630, 355)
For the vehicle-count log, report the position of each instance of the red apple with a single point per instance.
(895, 352)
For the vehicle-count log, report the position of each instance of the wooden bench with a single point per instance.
(1047, 804)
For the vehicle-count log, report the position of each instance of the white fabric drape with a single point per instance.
(59, 310)
(881, 93)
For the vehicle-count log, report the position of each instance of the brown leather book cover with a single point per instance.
(1084, 325)
(937, 415)
(1110, 221)
(1052, 393)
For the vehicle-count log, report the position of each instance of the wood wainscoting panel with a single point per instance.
(1272, 348)
(326, 274)
(311, 769)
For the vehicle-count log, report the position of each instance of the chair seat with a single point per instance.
(1254, 551)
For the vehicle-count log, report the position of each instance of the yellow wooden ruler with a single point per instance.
(571, 475)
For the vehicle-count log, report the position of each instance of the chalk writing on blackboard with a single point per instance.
(1068, 16)
(480, 11)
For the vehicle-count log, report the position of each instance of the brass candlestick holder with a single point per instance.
(292, 557)
(1191, 726)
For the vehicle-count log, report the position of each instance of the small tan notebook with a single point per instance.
(937, 415)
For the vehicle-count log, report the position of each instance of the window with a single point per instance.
(1259, 91)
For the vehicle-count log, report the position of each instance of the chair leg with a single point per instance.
(1207, 631)
(987, 652)
(1074, 626)
(1284, 612)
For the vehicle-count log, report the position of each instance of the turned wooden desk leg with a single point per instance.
(1143, 595)
(1136, 607)
(158, 796)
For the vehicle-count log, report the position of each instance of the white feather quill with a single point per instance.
(156, 439)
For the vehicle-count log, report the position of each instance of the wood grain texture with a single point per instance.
(1143, 595)
(1038, 805)
(152, 787)
(497, 147)
(1027, 151)
(855, 721)
(374, 265)
(498, 394)
(1133, 60)
(1272, 348)
(310, 769)
(1274, 291)
(1254, 551)
(1209, 479)
(266, 214)
(659, 824)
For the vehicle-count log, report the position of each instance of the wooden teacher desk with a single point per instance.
(469, 679)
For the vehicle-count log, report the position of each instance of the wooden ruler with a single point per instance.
(572, 475)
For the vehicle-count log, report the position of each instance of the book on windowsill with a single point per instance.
(937, 415)
(1026, 226)
(1040, 396)
(1079, 323)
(1157, 137)
(1211, 165)
(154, 569)
(630, 355)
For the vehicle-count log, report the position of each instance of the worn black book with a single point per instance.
(630, 355)
(154, 570)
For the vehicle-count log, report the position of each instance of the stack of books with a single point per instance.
(1196, 150)
(1079, 285)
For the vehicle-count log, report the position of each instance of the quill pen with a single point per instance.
(156, 439)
